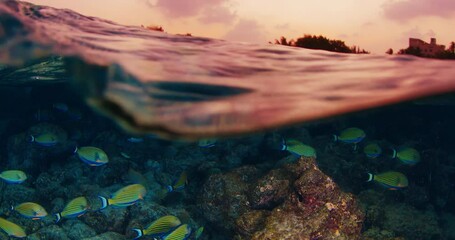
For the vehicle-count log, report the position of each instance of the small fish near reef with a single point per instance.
(75, 208)
(13, 176)
(135, 140)
(372, 150)
(124, 197)
(207, 142)
(406, 155)
(180, 183)
(158, 228)
(198, 233)
(12, 229)
(44, 139)
(180, 233)
(30, 210)
(61, 107)
(390, 180)
(297, 148)
(350, 135)
(93, 156)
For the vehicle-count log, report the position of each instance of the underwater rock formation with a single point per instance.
(298, 202)
(316, 209)
(224, 196)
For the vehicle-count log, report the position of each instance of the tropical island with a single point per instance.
(320, 42)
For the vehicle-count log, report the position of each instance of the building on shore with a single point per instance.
(427, 49)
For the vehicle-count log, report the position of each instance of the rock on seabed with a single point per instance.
(313, 208)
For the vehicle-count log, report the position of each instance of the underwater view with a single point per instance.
(110, 131)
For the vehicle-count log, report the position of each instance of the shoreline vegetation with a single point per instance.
(321, 43)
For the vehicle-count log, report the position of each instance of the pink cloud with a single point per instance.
(247, 30)
(409, 9)
(217, 14)
(207, 11)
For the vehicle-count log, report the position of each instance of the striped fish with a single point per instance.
(45, 139)
(390, 180)
(407, 155)
(12, 229)
(93, 156)
(125, 197)
(30, 210)
(13, 176)
(75, 208)
(179, 184)
(297, 148)
(198, 233)
(180, 233)
(372, 150)
(350, 135)
(159, 227)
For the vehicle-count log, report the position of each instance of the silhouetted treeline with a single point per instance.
(448, 53)
(320, 42)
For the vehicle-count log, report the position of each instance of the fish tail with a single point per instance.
(104, 202)
(335, 138)
(370, 177)
(31, 138)
(75, 150)
(394, 153)
(58, 216)
(170, 188)
(283, 144)
(139, 232)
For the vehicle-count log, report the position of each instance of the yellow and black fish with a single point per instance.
(13, 176)
(350, 135)
(407, 155)
(159, 228)
(12, 229)
(179, 184)
(198, 233)
(30, 210)
(93, 156)
(75, 208)
(372, 150)
(390, 180)
(180, 233)
(297, 148)
(45, 139)
(125, 197)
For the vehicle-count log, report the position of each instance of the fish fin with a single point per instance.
(31, 138)
(58, 216)
(170, 188)
(104, 202)
(293, 157)
(335, 138)
(139, 233)
(75, 150)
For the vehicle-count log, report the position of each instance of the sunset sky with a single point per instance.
(375, 25)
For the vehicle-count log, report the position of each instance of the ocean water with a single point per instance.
(149, 100)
